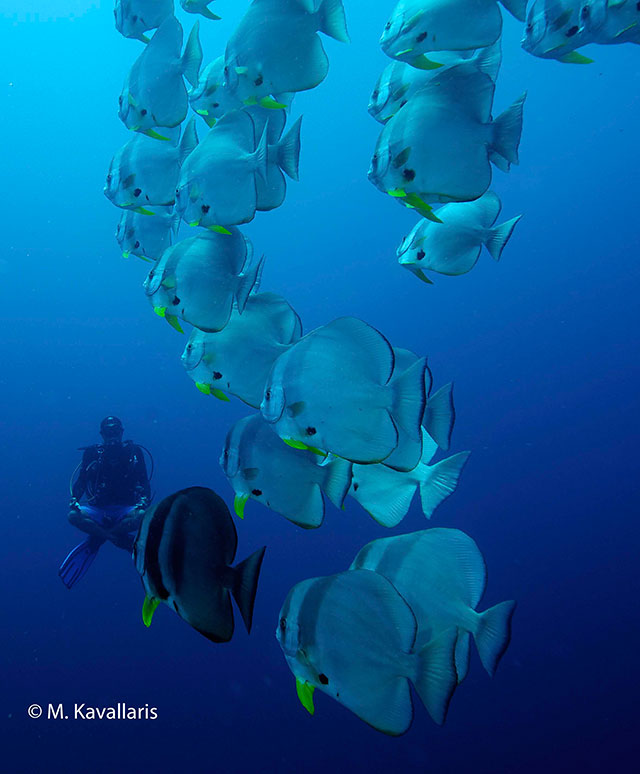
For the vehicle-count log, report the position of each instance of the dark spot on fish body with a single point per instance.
(136, 244)
(256, 492)
(258, 81)
(422, 36)
(215, 104)
(205, 208)
(137, 192)
(175, 301)
(143, 112)
(355, 487)
(217, 375)
(420, 255)
(311, 431)
(134, 18)
(408, 174)
(572, 31)
(323, 679)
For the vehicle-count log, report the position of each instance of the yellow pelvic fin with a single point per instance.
(269, 102)
(173, 322)
(126, 254)
(142, 211)
(426, 210)
(573, 57)
(202, 112)
(294, 444)
(239, 501)
(152, 133)
(148, 609)
(219, 230)
(204, 388)
(160, 310)
(422, 63)
(219, 394)
(397, 193)
(305, 694)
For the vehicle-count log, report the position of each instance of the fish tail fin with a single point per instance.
(337, 481)
(409, 398)
(245, 585)
(489, 59)
(436, 677)
(289, 151)
(391, 505)
(260, 155)
(188, 141)
(507, 129)
(192, 56)
(440, 416)
(517, 8)
(441, 481)
(494, 634)
(249, 283)
(498, 237)
(332, 20)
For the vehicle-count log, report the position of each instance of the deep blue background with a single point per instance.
(543, 349)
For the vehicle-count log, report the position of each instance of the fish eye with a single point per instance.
(387, 26)
(267, 395)
(374, 94)
(152, 273)
(137, 244)
(283, 624)
(109, 178)
(120, 99)
(189, 348)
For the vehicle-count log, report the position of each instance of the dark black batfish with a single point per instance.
(183, 553)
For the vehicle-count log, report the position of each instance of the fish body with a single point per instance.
(439, 146)
(399, 81)
(611, 22)
(442, 576)
(144, 236)
(199, 279)
(276, 49)
(154, 94)
(554, 29)
(144, 172)
(352, 636)
(135, 17)
(419, 27)
(210, 98)
(217, 184)
(453, 246)
(332, 390)
(289, 481)
(183, 553)
(237, 360)
(386, 494)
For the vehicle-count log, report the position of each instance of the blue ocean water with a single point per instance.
(543, 350)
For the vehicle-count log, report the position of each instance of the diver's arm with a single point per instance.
(80, 484)
(142, 478)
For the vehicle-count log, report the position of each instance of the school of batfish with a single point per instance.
(403, 612)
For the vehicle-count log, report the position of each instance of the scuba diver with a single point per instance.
(113, 476)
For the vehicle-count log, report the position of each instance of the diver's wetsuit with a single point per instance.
(114, 478)
(113, 474)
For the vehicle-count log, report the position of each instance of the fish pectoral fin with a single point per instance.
(148, 609)
(305, 694)
(401, 158)
(239, 501)
(295, 409)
